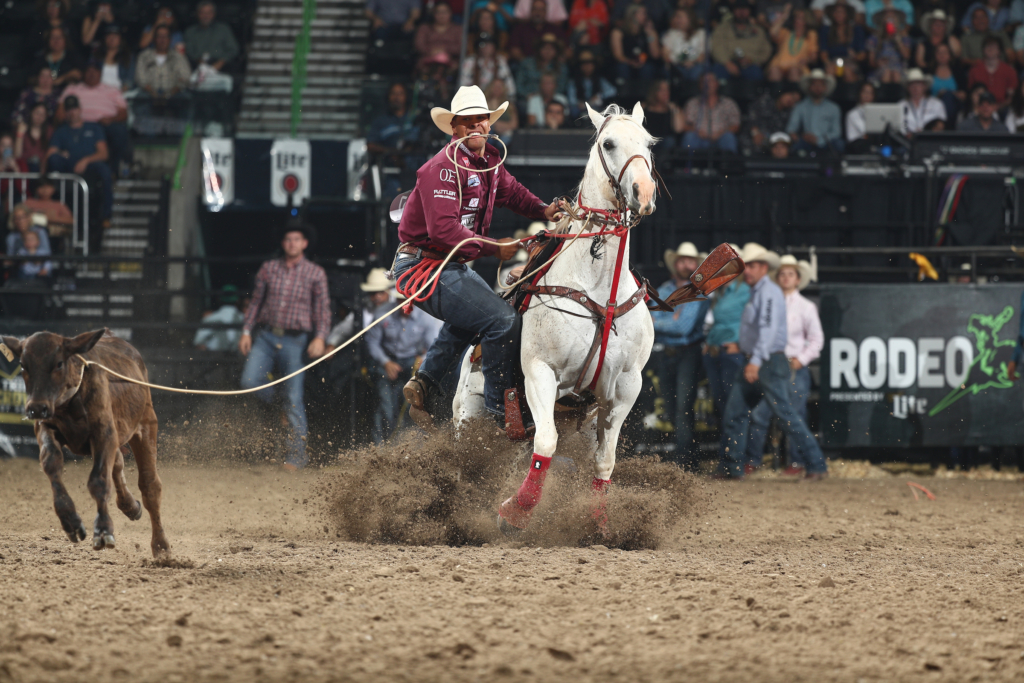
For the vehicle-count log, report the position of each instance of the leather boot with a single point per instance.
(421, 393)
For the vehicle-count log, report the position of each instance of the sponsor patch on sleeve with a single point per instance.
(474, 202)
(445, 194)
(474, 180)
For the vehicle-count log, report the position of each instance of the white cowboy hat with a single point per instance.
(376, 281)
(752, 251)
(878, 17)
(780, 137)
(803, 269)
(468, 101)
(916, 75)
(684, 249)
(818, 75)
(936, 15)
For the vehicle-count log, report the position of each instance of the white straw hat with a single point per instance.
(752, 251)
(468, 101)
(803, 269)
(684, 249)
(818, 75)
(376, 281)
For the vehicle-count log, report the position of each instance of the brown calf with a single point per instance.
(90, 412)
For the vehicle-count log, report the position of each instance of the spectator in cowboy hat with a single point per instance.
(876, 11)
(817, 120)
(937, 27)
(778, 145)
(889, 47)
(396, 346)
(763, 338)
(682, 334)
(804, 345)
(920, 109)
(739, 46)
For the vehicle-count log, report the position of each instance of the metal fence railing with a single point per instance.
(17, 192)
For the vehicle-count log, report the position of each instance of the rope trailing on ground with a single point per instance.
(302, 44)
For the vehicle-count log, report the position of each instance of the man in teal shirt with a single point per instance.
(816, 122)
(722, 356)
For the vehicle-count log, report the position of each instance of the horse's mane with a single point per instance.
(612, 110)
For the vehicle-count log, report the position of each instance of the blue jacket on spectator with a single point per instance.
(682, 327)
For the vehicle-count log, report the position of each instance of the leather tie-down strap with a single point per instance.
(721, 267)
(515, 430)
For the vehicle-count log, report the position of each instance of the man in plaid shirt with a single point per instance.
(290, 303)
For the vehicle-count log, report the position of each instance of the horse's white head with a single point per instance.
(622, 137)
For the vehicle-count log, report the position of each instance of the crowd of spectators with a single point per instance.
(726, 74)
(73, 114)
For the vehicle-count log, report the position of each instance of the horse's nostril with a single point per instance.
(636, 188)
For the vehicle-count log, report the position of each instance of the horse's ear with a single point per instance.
(595, 118)
(638, 114)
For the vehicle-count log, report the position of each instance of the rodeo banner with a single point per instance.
(925, 365)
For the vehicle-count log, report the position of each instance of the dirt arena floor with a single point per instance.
(765, 580)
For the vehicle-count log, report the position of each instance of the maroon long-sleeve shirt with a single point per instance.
(433, 216)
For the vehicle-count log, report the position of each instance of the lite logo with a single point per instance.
(903, 406)
(286, 160)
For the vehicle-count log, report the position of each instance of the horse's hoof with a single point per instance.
(137, 515)
(507, 529)
(514, 514)
(102, 541)
(76, 535)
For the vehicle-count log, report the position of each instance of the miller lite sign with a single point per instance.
(218, 156)
(289, 171)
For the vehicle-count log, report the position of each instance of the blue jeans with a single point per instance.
(722, 371)
(691, 73)
(284, 353)
(678, 375)
(751, 73)
(772, 385)
(119, 144)
(761, 417)
(727, 142)
(58, 164)
(470, 311)
(389, 399)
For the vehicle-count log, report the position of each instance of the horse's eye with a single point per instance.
(609, 145)
(60, 364)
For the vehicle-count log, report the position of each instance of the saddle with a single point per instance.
(720, 267)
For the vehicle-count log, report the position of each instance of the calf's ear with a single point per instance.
(10, 347)
(84, 342)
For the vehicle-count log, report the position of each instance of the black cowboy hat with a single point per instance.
(298, 224)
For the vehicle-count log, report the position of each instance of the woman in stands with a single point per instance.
(665, 119)
(856, 129)
(487, 65)
(118, 66)
(683, 45)
(95, 27)
(54, 15)
(797, 45)
(1015, 112)
(487, 25)
(588, 22)
(164, 17)
(889, 47)
(441, 35)
(587, 85)
(64, 64)
(635, 46)
(947, 81)
(546, 60)
(40, 91)
(33, 138)
(843, 39)
(496, 92)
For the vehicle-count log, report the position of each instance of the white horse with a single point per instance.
(558, 332)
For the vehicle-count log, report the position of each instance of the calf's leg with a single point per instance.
(104, 455)
(126, 503)
(143, 445)
(51, 457)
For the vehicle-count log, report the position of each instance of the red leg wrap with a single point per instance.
(530, 491)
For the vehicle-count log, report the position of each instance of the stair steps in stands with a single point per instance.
(334, 70)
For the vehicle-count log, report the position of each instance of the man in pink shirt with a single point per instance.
(102, 104)
(805, 340)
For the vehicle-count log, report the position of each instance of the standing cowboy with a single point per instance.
(452, 202)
